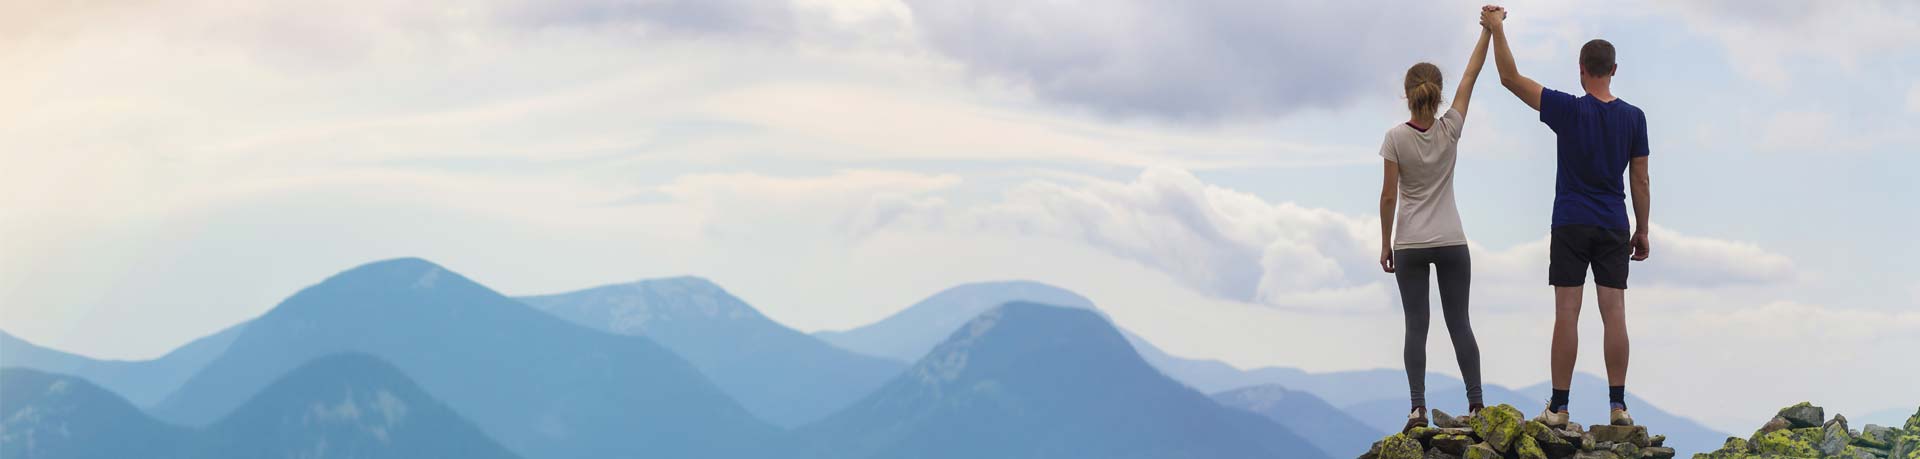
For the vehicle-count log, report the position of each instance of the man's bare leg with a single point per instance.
(1566, 334)
(1613, 315)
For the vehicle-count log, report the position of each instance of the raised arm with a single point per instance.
(1525, 88)
(1464, 95)
(1389, 199)
(1642, 201)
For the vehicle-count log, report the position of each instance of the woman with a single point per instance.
(1418, 193)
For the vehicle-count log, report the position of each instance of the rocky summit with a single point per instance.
(1502, 432)
(1803, 431)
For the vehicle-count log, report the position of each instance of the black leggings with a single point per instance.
(1455, 266)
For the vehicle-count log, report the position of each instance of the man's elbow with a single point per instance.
(1511, 82)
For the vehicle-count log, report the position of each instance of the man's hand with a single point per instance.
(1640, 248)
(1386, 259)
(1491, 16)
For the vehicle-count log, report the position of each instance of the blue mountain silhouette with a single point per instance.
(339, 406)
(142, 382)
(1026, 380)
(54, 416)
(1326, 426)
(781, 375)
(537, 384)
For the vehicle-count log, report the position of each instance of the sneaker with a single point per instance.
(1619, 417)
(1552, 418)
(1416, 418)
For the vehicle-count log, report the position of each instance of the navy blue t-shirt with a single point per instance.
(1596, 141)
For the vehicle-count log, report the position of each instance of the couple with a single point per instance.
(1600, 138)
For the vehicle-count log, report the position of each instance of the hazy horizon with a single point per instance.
(1204, 172)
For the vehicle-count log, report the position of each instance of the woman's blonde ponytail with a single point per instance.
(1423, 90)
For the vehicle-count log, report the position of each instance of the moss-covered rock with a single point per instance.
(1481, 450)
(1791, 442)
(1498, 426)
(1628, 450)
(1657, 452)
(1834, 437)
(1906, 446)
(1526, 448)
(1451, 443)
(1804, 414)
(1636, 435)
(1657, 441)
(1548, 439)
(1399, 446)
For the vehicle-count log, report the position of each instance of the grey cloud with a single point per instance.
(1198, 59)
(731, 18)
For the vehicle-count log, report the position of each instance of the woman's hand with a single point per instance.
(1386, 259)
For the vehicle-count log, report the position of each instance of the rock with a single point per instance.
(1443, 420)
(1906, 446)
(1526, 448)
(1657, 441)
(1572, 436)
(1498, 426)
(1422, 434)
(1481, 450)
(1879, 433)
(1461, 431)
(1868, 441)
(1438, 454)
(1636, 435)
(1399, 446)
(1735, 447)
(1804, 414)
(1657, 452)
(1834, 437)
(1597, 455)
(1549, 439)
(1777, 423)
(1452, 444)
(1627, 450)
(1791, 442)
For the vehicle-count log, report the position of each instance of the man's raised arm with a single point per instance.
(1525, 88)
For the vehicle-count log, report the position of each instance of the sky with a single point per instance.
(1205, 171)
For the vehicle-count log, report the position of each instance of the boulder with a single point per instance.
(1636, 435)
(1803, 415)
(1549, 439)
(1399, 446)
(1481, 451)
(1526, 448)
(1452, 444)
(1438, 454)
(1443, 420)
(1879, 433)
(1777, 423)
(1656, 452)
(1735, 447)
(1834, 437)
(1657, 441)
(1498, 426)
(1626, 450)
(1597, 454)
(1790, 442)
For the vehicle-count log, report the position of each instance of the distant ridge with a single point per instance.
(779, 374)
(495, 360)
(142, 382)
(339, 406)
(1043, 382)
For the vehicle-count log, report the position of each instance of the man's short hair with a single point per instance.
(1597, 58)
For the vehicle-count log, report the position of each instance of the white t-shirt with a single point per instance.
(1427, 216)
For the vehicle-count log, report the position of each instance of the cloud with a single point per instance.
(1763, 38)
(1913, 98)
(1237, 246)
(1195, 60)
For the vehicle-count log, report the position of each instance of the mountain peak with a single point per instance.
(912, 332)
(1006, 340)
(408, 272)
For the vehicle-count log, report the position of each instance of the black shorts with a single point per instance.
(1575, 247)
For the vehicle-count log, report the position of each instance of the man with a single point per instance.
(1599, 137)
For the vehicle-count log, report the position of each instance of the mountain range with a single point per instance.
(679, 367)
(779, 374)
(1026, 380)
(343, 405)
(539, 385)
(142, 382)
